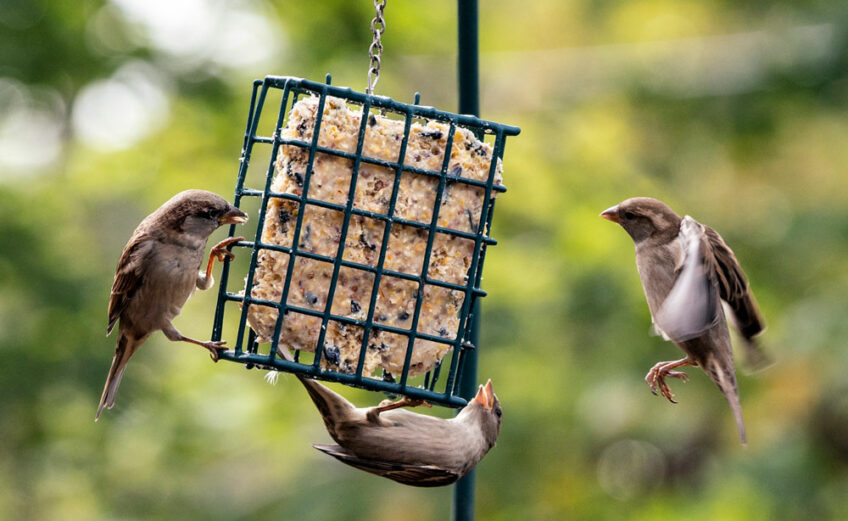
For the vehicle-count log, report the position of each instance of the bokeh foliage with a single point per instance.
(735, 113)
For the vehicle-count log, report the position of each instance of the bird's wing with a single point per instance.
(733, 286)
(414, 475)
(129, 276)
(692, 305)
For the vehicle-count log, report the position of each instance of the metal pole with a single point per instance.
(467, 58)
(469, 103)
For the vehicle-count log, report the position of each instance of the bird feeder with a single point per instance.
(300, 151)
(367, 258)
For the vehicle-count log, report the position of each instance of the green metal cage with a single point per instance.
(435, 386)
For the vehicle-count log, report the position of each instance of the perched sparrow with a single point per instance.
(686, 270)
(413, 449)
(158, 272)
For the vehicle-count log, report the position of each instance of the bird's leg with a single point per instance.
(656, 376)
(406, 401)
(213, 346)
(373, 414)
(220, 252)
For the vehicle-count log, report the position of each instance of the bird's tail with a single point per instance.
(328, 402)
(123, 351)
(312, 387)
(726, 382)
(755, 359)
(747, 321)
(321, 396)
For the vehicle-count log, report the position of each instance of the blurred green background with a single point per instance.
(733, 112)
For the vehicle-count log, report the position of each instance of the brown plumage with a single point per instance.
(687, 270)
(158, 272)
(410, 448)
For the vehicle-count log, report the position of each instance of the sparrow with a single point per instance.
(687, 270)
(410, 448)
(158, 271)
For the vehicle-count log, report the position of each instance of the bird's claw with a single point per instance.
(678, 374)
(652, 377)
(221, 253)
(666, 392)
(387, 405)
(214, 346)
(415, 402)
(656, 379)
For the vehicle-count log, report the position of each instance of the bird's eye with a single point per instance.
(498, 413)
(629, 215)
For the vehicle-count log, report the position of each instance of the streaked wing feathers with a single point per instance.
(733, 286)
(414, 475)
(128, 276)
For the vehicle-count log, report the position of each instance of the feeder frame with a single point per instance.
(462, 344)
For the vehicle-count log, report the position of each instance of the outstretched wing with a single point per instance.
(733, 286)
(692, 305)
(128, 277)
(414, 475)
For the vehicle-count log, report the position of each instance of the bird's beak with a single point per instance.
(234, 216)
(486, 395)
(611, 214)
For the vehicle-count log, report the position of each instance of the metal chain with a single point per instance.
(375, 51)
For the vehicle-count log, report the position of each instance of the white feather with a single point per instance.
(272, 376)
(690, 307)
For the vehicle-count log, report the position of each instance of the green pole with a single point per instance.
(469, 103)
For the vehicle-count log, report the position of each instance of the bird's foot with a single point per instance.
(665, 390)
(656, 377)
(220, 250)
(387, 405)
(214, 347)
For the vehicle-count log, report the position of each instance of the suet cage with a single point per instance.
(440, 383)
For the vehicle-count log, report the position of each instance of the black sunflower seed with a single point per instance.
(332, 355)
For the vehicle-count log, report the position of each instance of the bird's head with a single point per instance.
(643, 218)
(485, 409)
(199, 213)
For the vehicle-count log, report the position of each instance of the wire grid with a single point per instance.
(245, 349)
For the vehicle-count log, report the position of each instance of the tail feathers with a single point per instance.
(756, 359)
(123, 351)
(748, 320)
(316, 391)
(726, 382)
(330, 404)
(321, 395)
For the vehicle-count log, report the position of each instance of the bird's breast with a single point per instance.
(169, 281)
(657, 265)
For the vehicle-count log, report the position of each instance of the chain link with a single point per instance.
(375, 51)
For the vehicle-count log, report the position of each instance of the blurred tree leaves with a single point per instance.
(734, 113)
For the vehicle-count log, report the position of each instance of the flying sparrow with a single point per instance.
(687, 270)
(158, 272)
(410, 448)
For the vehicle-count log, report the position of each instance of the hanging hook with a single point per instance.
(375, 51)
